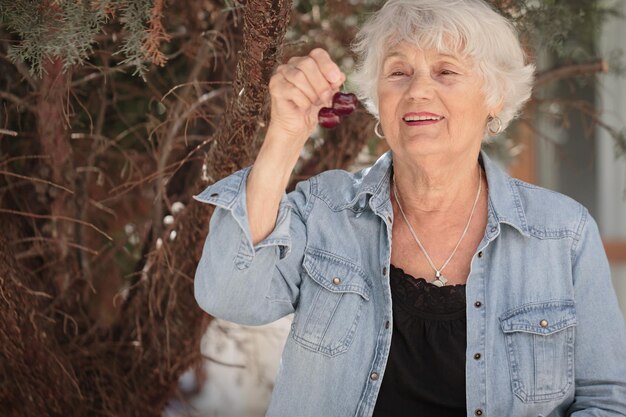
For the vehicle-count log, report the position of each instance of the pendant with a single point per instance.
(440, 280)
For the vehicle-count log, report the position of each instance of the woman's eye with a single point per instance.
(396, 73)
(447, 72)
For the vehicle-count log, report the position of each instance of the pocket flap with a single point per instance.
(540, 318)
(335, 273)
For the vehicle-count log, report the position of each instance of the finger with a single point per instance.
(294, 60)
(328, 68)
(298, 78)
(323, 88)
(283, 90)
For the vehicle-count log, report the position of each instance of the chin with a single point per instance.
(425, 143)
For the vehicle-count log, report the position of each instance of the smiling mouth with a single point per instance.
(414, 118)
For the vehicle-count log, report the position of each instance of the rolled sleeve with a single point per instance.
(230, 194)
(245, 283)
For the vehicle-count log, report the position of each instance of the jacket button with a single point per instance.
(387, 324)
(543, 323)
(336, 280)
(374, 376)
(494, 229)
(477, 356)
(478, 412)
(384, 270)
(480, 254)
(478, 304)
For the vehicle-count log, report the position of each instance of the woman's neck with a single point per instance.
(431, 190)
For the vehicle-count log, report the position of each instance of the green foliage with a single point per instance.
(134, 16)
(68, 28)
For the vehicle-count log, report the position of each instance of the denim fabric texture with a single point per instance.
(541, 309)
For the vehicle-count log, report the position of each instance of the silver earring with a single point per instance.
(380, 135)
(494, 125)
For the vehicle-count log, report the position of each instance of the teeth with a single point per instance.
(421, 118)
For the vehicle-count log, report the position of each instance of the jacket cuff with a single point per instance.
(229, 194)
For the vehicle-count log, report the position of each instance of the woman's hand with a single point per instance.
(298, 90)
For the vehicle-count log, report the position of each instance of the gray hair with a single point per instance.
(469, 26)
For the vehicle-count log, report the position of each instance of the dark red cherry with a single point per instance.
(344, 103)
(328, 118)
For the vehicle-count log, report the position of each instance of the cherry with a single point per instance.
(344, 103)
(328, 118)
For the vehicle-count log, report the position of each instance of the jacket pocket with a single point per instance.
(332, 295)
(540, 347)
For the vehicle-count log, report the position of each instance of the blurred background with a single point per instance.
(114, 113)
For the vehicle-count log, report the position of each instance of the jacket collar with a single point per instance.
(505, 205)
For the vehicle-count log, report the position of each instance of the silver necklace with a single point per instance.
(439, 280)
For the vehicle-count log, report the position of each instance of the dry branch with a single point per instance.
(8, 132)
(56, 218)
(570, 71)
(30, 359)
(180, 114)
(163, 316)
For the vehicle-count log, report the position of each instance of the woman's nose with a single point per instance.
(421, 87)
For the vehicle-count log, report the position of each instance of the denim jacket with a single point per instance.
(541, 309)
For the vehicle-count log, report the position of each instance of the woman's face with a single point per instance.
(431, 103)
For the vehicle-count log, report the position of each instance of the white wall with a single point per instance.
(611, 180)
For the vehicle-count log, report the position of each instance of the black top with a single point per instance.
(425, 373)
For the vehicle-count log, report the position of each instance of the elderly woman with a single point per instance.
(430, 283)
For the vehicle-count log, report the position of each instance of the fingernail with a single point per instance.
(334, 76)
